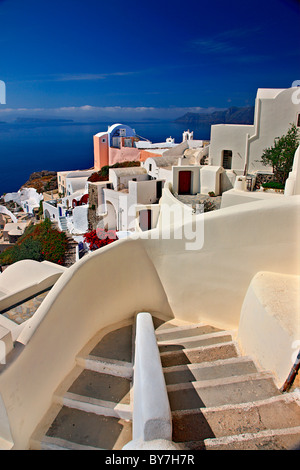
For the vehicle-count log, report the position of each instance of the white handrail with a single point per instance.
(151, 410)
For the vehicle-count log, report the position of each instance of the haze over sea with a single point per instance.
(29, 147)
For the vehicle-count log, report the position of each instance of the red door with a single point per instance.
(145, 219)
(184, 183)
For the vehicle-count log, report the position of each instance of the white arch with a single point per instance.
(110, 220)
(4, 210)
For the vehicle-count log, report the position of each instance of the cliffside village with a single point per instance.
(144, 344)
(122, 191)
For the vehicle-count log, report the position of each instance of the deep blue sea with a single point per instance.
(28, 147)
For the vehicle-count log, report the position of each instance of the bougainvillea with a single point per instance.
(40, 242)
(99, 238)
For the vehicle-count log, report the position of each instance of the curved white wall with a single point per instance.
(269, 329)
(209, 284)
(147, 274)
(101, 289)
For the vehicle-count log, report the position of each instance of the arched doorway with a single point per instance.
(47, 214)
(110, 220)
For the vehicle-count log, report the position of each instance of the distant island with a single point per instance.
(233, 115)
(33, 120)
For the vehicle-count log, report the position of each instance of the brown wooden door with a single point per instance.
(184, 183)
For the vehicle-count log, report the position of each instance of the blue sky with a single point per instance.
(96, 59)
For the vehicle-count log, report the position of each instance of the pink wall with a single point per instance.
(124, 154)
(100, 151)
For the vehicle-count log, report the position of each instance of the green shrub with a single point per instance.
(29, 249)
(7, 256)
(281, 155)
(208, 205)
(273, 185)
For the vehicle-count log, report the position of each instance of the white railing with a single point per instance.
(152, 418)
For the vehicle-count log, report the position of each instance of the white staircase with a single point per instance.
(218, 399)
(63, 224)
(93, 411)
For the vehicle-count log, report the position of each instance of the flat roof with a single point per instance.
(132, 170)
(149, 145)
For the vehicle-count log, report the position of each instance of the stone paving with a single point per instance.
(24, 311)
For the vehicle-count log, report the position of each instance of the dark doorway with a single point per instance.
(145, 220)
(158, 189)
(184, 182)
(227, 159)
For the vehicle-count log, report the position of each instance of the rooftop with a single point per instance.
(170, 161)
(159, 145)
(135, 170)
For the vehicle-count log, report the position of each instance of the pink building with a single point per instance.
(115, 145)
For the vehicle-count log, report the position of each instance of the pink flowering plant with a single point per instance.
(99, 238)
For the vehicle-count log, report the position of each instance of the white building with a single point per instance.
(120, 177)
(28, 198)
(240, 147)
(119, 201)
(180, 165)
(70, 181)
(77, 184)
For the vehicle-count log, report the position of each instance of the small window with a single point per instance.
(103, 140)
(298, 121)
(127, 142)
(150, 167)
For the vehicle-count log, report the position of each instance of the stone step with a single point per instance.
(102, 386)
(274, 439)
(176, 332)
(97, 406)
(116, 345)
(218, 399)
(277, 412)
(194, 341)
(200, 354)
(230, 390)
(92, 407)
(209, 370)
(53, 443)
(107, 366)
(89, 429)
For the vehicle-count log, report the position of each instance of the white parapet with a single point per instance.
(6, 343)
(269, 325)
(151, 410)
